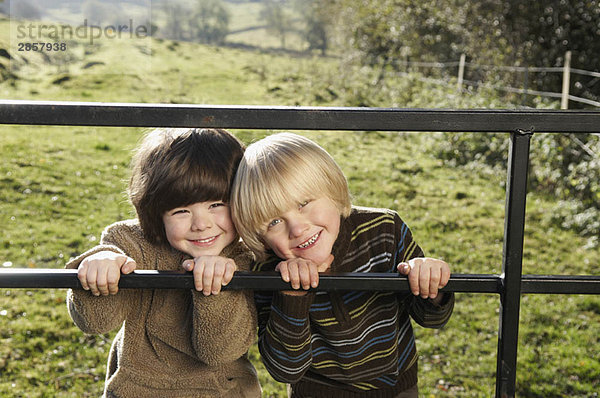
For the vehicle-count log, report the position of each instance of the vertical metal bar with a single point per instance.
(510, 297)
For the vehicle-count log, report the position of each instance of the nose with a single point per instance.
(297, 225)
(201, 221)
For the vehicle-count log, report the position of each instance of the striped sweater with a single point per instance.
(350, 343)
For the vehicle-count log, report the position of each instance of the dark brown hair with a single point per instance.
(178, 167)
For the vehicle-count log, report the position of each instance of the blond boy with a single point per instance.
(291, 205)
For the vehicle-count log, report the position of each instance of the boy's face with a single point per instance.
(200, 229)
(307, 231)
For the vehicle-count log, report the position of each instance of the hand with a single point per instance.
(210, 272)
(302, 273)
(425, 275)
(100, 272)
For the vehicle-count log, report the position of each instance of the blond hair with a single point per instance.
(276, 174)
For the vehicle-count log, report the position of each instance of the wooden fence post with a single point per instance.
(564, 102)
(461, 72)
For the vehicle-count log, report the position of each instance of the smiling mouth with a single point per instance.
(205, 241)
(310, 241)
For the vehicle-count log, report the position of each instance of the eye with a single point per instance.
(178, 211)
(273, 223)
(216, 204)
(303, 204)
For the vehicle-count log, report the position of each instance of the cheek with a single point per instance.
(170, 233)
(276, 245)
(173, 229)
(226, 223)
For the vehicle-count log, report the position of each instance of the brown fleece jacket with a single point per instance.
(172, 343)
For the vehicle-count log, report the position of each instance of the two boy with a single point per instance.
(290, 203)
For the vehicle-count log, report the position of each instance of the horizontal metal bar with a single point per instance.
(295, 118)
(144, 279)
(561, 284)
(150, 279)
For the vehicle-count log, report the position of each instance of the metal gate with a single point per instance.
(520, 124)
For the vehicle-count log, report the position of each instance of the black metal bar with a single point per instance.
(294, 118)
(144, 279)
(42, 278)
(560, 284)
(510, 297)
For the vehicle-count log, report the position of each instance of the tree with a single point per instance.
(207, 22)
(210, 22)
(175, 15)
(277, 18)
(315, 17)
(500, 32)
(540, 33)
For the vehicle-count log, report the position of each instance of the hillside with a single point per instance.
(59, 186)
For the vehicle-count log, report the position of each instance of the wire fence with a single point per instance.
(462, 65)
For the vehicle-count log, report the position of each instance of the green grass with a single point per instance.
(59, 186)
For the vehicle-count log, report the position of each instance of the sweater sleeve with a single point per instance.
(284, 334)
(423, 311)
(224, 325)
(430, 315)
(101, 314)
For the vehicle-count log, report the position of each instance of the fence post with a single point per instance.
(461, 72)
(510, 297)
(564, 102)
(525, 85)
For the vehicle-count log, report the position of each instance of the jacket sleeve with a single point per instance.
(284, 334)
(101, 314)
(224, 325)
(423, 311)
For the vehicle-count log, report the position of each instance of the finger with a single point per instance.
(207, 278)
(112, 280)
(198, 275)
(82, 276)
(314, 276)
(294, 275)
(129, 266)
(101, 282)
(434, 282)
(188, 265)
(282, 267)
(217, 280)
(92, 275)
(445, 275)
(403, 268)
(230, 268)
(424, 278)
(413, 277)
(304, 273)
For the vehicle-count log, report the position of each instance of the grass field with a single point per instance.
(59, 186)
